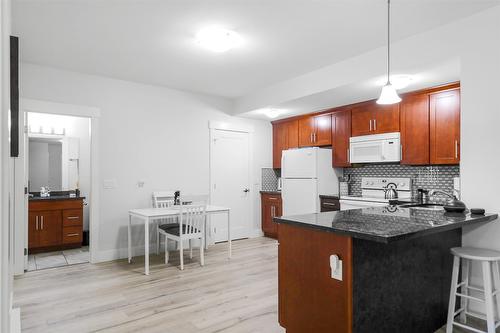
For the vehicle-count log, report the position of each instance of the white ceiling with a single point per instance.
(151, 41)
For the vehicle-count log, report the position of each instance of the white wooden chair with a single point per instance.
(191, 225)
(163, 199)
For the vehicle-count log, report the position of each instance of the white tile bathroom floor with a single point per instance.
(58, 258)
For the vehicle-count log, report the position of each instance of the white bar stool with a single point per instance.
(489, 262)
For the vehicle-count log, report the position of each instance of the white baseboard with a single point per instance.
(122, 253)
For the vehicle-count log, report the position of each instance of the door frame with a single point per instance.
(230, 127)
(21, 205)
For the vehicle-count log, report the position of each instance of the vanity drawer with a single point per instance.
(72, 217)
(72, 235)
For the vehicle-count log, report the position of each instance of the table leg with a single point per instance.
(146, 246)
(129, 239)
(205, 242)
(229, 233)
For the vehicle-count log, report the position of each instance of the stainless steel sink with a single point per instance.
(428, 206)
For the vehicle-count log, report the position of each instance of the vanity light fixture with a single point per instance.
(217, 39)
(389, 95)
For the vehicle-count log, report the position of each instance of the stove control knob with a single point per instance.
(402, 184)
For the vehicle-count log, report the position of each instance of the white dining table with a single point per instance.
(147, 215)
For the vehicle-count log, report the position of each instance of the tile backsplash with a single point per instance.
(426, 177)
(270, 179)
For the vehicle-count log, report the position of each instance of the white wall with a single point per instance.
(148, 133)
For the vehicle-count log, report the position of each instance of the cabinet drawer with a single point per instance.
(72, 217)
(329, 204)
(72, 235)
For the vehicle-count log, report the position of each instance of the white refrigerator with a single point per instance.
(306, 173)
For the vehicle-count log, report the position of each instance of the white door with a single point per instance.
(230, 184)
(299, 163)
(300, 196)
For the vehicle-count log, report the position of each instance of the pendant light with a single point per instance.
(389, 95)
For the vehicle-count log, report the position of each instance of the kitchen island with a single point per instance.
(395, 275)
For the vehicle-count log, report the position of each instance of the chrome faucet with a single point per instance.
(434, 192)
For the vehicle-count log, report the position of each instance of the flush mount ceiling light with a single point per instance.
(272, 113)
(217, 39)
(389, 95)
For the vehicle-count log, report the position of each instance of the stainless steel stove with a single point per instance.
(373, 192)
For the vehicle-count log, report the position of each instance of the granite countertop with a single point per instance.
(55, 197)
(271, 192)
(386, 224)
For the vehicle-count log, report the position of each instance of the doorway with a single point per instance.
(58, 177)
(59, 157)
(230, 182)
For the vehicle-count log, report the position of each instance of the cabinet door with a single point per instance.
(362, 121)
(271, 207)
(279, 142)
(306, 132)
(445, 127)
(341, 132)
(50, 228)
(33, 225)
(292, 134)
(322, 130)
(415, 130)
(385, 118)
(304, 261)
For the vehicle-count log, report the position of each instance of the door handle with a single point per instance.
(246, 190)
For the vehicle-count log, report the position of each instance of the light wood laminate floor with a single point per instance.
(237, 295)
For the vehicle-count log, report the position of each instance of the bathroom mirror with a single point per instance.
(53, 162)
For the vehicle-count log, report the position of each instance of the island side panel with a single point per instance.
(403, 286)
(309, 299)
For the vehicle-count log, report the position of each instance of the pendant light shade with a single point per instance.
(389, 95)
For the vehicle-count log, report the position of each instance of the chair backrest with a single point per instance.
(192, 217)
(163, 199)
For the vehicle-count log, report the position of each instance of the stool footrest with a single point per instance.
(470, 297)
(468, 327)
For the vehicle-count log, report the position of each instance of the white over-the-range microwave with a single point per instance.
(376, 148)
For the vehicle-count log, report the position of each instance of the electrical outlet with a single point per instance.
(336, 267)
(140, 183)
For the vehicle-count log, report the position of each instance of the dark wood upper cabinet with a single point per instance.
(372, 118)
(323, 130)
(315, 131)
(362, 119)
(415, 130)
(445, 127)
(306, 132)
(341, 132)
(285, 136)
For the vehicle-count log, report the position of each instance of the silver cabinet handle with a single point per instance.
(374, 124)
(370, 125)
(311, 137)
(73, 217)
(456, 148)
(348, 155)
(273, 198)
(72, 235)
(36, 222)
(329, 204)
(315, 138)
(41, 218)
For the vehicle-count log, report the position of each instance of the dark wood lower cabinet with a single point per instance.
(402, 286)
(271, 207)
(55, 224)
